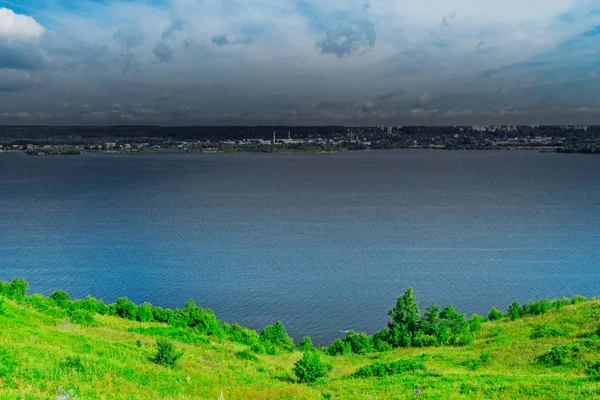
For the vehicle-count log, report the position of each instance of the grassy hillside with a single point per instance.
(43, 347)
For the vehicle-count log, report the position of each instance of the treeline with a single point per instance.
(438, 326)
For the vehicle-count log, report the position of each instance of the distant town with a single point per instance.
(40, 140)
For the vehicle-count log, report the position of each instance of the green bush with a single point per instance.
(495, 315)
(4, 288)
(474, 323)
(359, 343)
(537, 307)
(62, 299)
(8, 365)
(161, 315)
(381, 345)
(339, 348)
(548, 330)
(578, 299)
(259, 348)
(82, 317)
(144, 313)
(2, 306)
(72, 363)
(125, 308)
(199, 318)
(558, 356)
(515, 310)
(239, 334)
(310, 367)
(166, 354)
(18, 289)
(90, 304)
(594, 371)
(306, 344)
(405, 320)
(394, 368)
(423, 340)
(475, 364)
(277, 336)
(246, 355)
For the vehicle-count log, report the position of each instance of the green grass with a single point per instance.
(42, 349)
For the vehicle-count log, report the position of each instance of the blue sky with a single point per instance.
(300, 62)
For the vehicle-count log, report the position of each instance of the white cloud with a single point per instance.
(18, 26)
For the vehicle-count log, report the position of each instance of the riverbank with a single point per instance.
(44, 347)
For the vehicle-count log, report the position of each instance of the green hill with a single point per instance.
(110, 352)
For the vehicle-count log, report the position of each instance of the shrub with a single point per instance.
(72, 363)
(515, 310)
(277, 336)
(474, 323)
(199, 318)
(144, 313)
(306, 344)
(310, 367)
(246, 355)
(18, 289)
(91, 305)
(547, 330)
(483, 360)
(62, 299)
(166, 354)
(2, 306)
(537, 307)
(259, 348)
(558, 356)
(495, 315)
(394, 368)
(381, 345)
(578, 299)
(4, 288)
(461, 340)
(560, 303)
(241, 335)
(339, 348)
(8, 365)
(125, 308)
(359, 343)
(423, 340)
(161, 315)
(82, 317)
(594, 371)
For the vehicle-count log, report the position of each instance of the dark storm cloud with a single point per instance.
(348, 39)
(20, 56)
(15, 80)
(220, 40)
(176, 26)
(389, 95)
(163, 52)
(129, 38)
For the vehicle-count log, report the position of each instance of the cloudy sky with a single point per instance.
(299, 62)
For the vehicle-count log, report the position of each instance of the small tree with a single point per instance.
(405, 318)
(18, 289)
(125, 308)
(310, 368)
(62, 299)
(306, 344)
(515, 310)
(339, 348)
(277, 336)
(495, 314)
(166, 354)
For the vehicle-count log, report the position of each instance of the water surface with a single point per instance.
(322, 242)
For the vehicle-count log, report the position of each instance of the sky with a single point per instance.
(299, 62)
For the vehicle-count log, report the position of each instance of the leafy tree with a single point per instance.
(359, 343)
(405, 319)
(82, 317)
(166, 354)
(431, 319)
(310, 367)
(515, 310)
(242, 335)
(197, 317)
(277, 336)
(495, 315)
(125, 308)
(18, 289)
(306, 344)
(62, 299)
(339, 348)
(144, 313)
